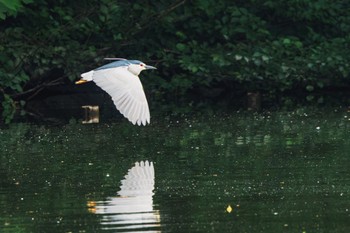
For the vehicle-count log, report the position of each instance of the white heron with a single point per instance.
(120, 80)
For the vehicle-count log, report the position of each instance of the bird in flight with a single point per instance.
(120, 79)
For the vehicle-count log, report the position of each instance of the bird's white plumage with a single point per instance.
(87, 76)
(126, 91)
(139, 181)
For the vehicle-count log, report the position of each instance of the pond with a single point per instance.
(283, 171)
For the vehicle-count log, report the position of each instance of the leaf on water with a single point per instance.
(229, 209)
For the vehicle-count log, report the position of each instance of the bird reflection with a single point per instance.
(133, 208)
(91, 114)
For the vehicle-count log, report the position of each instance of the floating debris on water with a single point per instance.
(229, 209)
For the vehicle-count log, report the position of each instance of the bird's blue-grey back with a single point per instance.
(118, 64)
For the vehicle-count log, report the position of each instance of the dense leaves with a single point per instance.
(210, 48)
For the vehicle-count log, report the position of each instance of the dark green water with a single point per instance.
(279, 172)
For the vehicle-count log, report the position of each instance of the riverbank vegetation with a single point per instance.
(204, 49)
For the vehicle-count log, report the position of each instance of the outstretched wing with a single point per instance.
(139, 181)
(126, 91)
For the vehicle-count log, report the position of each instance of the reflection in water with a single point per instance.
(91, 114)
(133, 208)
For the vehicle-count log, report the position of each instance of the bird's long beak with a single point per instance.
(150, 67)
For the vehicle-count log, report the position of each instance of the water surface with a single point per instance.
(233, 172)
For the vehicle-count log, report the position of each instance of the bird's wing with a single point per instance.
(126, 91)
(115, 64)
(139, 181)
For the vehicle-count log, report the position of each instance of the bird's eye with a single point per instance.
(141, 65)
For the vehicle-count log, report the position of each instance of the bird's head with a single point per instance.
(137, 66)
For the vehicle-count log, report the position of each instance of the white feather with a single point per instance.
(139, 181)
(87, 76)
(126, 91)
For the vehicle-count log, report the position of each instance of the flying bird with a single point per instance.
(120, 79)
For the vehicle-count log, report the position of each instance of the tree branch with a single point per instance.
(37, 89)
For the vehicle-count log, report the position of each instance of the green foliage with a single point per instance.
(258, 46)
(216, 47)
(8, 109)
(11, 7)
